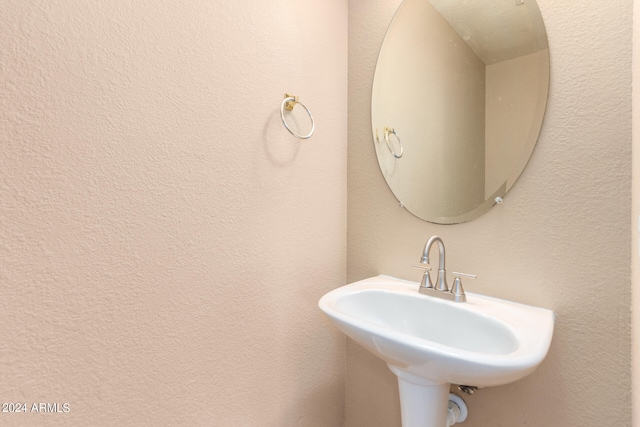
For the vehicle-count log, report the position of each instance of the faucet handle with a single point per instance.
(457, 290)
(472, 276)
(425, 267)
(426, 279)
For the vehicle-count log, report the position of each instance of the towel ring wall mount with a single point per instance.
(288, 103)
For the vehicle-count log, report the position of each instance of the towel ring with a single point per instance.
(387, 132)
(289, 102)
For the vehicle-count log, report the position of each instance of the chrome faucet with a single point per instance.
(442, 289)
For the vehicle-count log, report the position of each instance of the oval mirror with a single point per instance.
(458, 98)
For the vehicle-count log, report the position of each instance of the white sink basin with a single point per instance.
(426, 340)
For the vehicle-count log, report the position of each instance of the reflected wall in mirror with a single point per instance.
(460, 89)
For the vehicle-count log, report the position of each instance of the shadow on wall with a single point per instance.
(282, 147)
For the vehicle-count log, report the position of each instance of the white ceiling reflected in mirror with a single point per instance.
(460, 90)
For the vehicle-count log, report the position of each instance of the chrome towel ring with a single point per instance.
(388, 131)
(289, 102)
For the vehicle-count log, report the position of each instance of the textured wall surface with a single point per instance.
(163, 239)
(635, 217)
(560, 240)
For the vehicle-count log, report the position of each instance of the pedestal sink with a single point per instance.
(430, 343)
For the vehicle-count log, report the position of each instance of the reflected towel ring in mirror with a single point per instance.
(288, 103)
(388, 131)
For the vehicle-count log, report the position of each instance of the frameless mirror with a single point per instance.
(458, 99)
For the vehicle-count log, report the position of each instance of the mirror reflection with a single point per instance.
(460, 90)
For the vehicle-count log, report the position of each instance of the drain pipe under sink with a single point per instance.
(456, 410)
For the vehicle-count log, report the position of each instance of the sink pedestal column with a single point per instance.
(422, 403)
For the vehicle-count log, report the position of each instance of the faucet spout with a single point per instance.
(442, 277)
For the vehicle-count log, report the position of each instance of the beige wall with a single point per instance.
(163, 239)
(635, 217)
(560, 239)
